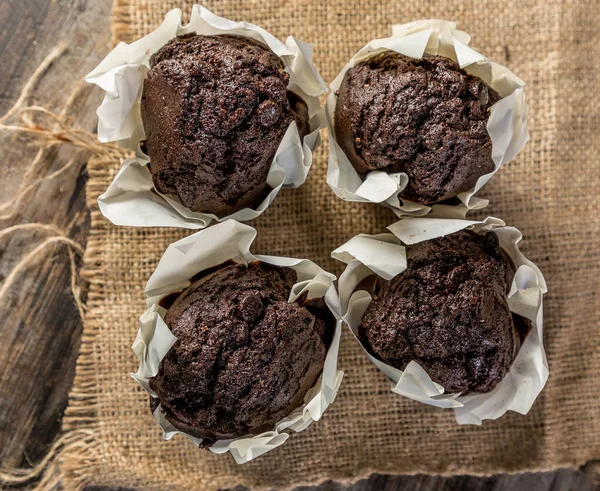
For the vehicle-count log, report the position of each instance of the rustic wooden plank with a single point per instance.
(564, 480)
(41, 327)
(582, 480)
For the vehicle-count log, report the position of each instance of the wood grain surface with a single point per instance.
(40, 327)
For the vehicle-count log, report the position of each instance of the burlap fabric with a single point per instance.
(549, 192)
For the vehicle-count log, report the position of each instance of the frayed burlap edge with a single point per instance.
(80, 458)
(120, 22)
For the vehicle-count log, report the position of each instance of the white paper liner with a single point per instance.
(507, 124)
(385, 256)
(131, 198)
(185, 258)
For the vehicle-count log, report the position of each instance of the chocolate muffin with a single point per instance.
(244, 357)
(448, 311)
(215, 109)
(425, 117)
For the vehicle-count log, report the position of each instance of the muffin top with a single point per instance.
(215, 109)
(425, 117)
(448, 311)
(244, 357)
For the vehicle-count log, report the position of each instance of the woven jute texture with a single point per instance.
(549, 192)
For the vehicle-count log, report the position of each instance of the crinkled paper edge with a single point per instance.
(131, 198)
(385, 256)
(507, 124)
(231, 240)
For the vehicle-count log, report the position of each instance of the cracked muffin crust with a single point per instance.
(425, 117)
(244, 357)
(448, 311)
(215, 109)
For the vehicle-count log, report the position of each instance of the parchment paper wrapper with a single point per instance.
(131, 198)
(205, 249)
(385, 256)
(507, 124)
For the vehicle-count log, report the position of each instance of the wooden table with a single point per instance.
(41, 327)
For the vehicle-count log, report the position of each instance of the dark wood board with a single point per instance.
(41, 328)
